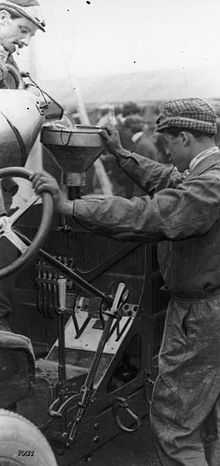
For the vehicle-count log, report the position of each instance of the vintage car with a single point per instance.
(80, 365)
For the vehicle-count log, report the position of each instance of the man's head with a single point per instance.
(189, 127)
(134, 122)
(19, 21)
(130, 108)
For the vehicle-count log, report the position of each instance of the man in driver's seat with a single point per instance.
(19, 21)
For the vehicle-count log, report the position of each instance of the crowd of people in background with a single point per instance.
(136, 124)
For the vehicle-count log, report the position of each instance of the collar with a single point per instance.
(136, 136)
(202, 155)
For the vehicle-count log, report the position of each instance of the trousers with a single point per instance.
(185, 407)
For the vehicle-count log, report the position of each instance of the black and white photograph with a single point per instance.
(109, 233)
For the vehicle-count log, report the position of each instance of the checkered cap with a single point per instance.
(30, 9)
(187, 114)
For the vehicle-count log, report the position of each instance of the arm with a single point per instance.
(151, 176)
(175, 214)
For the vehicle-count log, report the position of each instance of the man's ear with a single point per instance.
(185, 138)
(5, 17)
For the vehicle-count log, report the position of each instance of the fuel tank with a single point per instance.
(21, 117)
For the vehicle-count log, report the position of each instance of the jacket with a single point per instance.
(181, 212)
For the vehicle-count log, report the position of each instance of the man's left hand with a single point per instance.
(42, 182)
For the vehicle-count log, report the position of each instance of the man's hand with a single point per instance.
(112, 140)
(42, 182)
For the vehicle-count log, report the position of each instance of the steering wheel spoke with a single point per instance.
(14, 239)
(6, 223)
(21, 210)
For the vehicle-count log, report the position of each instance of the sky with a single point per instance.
(102, 37)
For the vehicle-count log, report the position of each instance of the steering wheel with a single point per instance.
(6, 224)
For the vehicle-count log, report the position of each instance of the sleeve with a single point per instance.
(150, 175)
(175, 214)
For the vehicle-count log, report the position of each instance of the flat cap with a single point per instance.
(187, 114)
(30, 9)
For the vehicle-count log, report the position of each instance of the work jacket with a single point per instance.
(181, 212)
(9, 78)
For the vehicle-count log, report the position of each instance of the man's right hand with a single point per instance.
(112, 140)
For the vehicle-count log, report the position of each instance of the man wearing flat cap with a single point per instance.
(181, 210)
(19, 21)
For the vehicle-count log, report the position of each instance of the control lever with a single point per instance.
(62, 404)
(87, 390)
(62, 284)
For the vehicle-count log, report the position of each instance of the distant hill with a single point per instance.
(140, 86)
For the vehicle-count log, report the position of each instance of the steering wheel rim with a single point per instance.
(45, 223)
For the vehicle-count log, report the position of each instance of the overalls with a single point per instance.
(183, 214)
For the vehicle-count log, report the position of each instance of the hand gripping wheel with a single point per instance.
(6, 224)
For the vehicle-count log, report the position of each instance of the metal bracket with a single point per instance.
(120, 404)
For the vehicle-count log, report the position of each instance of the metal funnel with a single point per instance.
(75, 149)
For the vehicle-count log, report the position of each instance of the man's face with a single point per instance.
(179, 150)
(15, 33)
